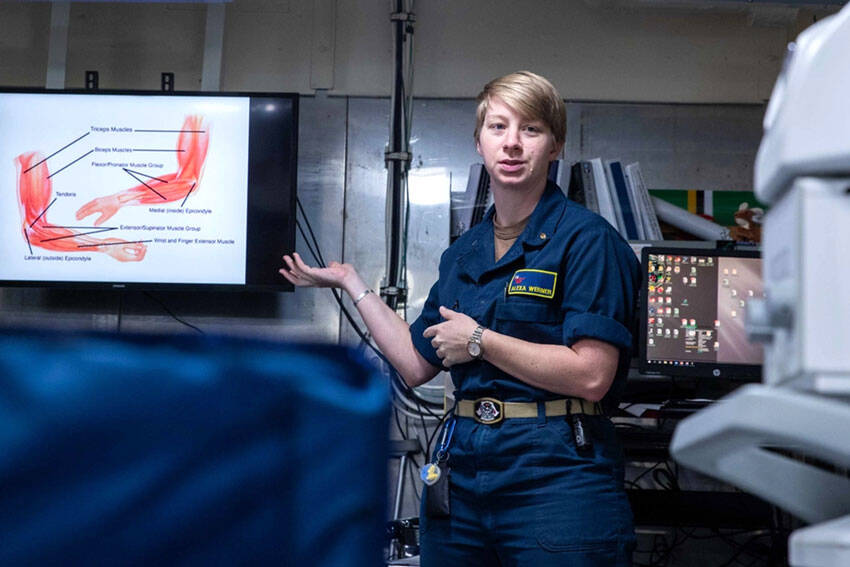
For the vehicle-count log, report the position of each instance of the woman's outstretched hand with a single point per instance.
(301, 275)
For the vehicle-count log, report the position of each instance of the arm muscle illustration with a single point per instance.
(191, 154)
(35, 192)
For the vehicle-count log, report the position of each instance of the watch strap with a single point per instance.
(476, 339)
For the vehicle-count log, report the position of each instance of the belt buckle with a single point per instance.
(488, 411)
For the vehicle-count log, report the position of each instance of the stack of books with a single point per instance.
(617, 193)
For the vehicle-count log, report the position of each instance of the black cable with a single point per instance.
(719, 533)
(664, 548)
(404, 235)
(411, 468)
(627, 425)
(307, 242)
(393, 373)
(321, 260)
(665, 478)
(405, 434)
(635, 480)
(170, 312)
(685, 537)
(778, 536)
(729, 538)
(416, 399)
(742, 548)
(317, 256)
(401, 430)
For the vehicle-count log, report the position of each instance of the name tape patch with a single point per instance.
(537, 283)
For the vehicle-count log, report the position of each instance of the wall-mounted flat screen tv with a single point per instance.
(147, 190)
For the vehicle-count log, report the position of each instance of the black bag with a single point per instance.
(437, 496)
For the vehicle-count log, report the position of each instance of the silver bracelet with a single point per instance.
(363, 294)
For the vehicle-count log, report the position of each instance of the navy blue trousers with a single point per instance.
(522, 494)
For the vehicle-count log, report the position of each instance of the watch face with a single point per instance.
(474, 349)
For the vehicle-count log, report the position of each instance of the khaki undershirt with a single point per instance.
(505, 236)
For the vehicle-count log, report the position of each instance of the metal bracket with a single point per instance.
(395, 291)
(167, 82)
(403, 17)
(92, 80)
(397, 156)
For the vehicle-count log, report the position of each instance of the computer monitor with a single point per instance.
(693, 310)
(141, 190)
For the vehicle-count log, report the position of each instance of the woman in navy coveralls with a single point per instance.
(532, 314)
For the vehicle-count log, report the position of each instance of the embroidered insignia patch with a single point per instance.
(537, 283)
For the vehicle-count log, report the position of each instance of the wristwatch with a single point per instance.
(473, 347)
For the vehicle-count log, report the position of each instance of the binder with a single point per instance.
(603, 194)
(622, 201)
(649, 218)
(582, 190)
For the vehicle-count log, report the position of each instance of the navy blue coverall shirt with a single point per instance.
(521, 492)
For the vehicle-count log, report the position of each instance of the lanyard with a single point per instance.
(448, 432)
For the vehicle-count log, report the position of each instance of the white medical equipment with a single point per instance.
(754, 438)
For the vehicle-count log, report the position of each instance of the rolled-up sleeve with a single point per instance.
(430, 316)
(600, 289)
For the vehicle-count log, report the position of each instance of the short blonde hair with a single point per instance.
(529, 94)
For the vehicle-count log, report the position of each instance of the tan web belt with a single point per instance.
(491, 410)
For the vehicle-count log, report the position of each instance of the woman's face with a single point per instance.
(516, 151)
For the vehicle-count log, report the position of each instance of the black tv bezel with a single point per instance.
(707, 370)
(272, 256)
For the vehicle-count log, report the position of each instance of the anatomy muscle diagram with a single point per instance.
(192, 144)
(35, 195)
(35, 184)
(114, 188)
